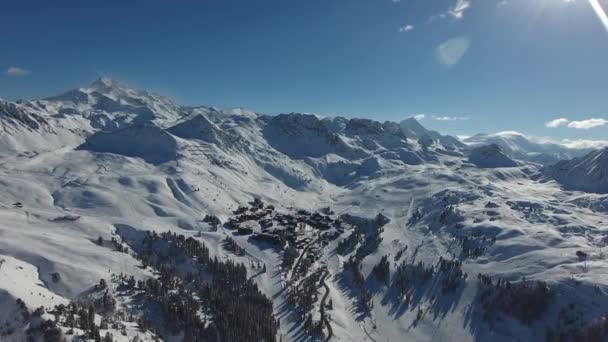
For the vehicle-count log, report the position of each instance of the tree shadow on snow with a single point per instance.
(430, 293)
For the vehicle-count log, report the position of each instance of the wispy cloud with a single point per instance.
(588, 124)
(577, 124)
(419, 116)
(406, 28)
(557, 123)
(451, 51)
(457, 11)
(440, 117)
(17, 71)
(450, 118)
(584, 143)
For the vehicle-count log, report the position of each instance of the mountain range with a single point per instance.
(126, 216)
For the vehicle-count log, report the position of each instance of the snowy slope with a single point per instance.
(111, 162)
(588, 173)
(489, 156)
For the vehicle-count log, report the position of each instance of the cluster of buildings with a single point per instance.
(263, 223)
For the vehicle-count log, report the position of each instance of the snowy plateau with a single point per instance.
(127, 217)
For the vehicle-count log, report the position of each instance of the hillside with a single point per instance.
(124, 213)
(490, 156)
(588, 173)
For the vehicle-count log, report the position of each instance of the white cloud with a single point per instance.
(457, 11)
(419, 116)
(587, 124)
(451, 51)
(451, 118)
(438, 17)
(440, 118)
(17, 71)
(580, 124)
(557, 123)
(406, 28)
(584, 143)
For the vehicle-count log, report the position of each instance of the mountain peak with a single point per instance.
(105, 84)
(412, 128)
(103, 80)
(490, 156)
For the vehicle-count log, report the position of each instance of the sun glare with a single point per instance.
(601, 13)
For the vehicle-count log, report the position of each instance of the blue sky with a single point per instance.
(469, 65)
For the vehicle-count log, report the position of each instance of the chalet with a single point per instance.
(266, 223)
(272, 238)
(290, 236)
(232, 224)
(67, 218)
(245, 230)
(213, 221)
(250, 217)
(306, 262)
(328, 236)
(327, 211)
(240, 210)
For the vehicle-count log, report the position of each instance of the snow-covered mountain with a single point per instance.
(588, 173)
(111, 104)
(490, 156)
(520, 147)
(124, 213)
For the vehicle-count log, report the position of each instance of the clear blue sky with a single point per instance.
(505, 65)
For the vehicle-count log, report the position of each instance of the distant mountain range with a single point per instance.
(520, 147)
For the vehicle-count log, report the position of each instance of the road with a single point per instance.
(322, 310)
(297, 264)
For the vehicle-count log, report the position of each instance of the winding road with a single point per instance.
(322, 309)
(297, 264)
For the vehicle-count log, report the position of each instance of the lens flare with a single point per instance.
(597, 7)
